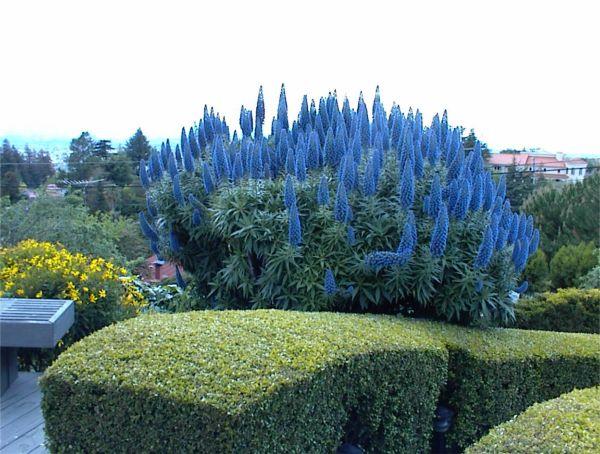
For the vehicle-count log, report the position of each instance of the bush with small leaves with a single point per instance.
(569, 423)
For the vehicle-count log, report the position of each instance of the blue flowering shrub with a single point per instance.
(339, 210)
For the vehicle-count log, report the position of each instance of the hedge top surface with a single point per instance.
(569, 423)
(500, 344)
(229, 359)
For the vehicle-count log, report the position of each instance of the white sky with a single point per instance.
(522, 73)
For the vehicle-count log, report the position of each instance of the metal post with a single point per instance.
(9, 367)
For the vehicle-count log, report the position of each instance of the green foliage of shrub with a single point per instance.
(68, 222)
(572, 262)
(167, 296)
(270, 381)
(566, 215)
(570, 423)
(495, 374)
(591, 279)
(537, 273)
(102, 292)
(241, 258)
(571, 310)
(245, 381)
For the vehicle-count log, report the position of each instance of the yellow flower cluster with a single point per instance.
(35, 269)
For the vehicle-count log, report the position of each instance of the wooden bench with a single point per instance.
(37, 323)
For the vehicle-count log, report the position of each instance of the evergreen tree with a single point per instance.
(82, 161)
(138, 147)
(469, 142)
(36, 167)
(566, 214)
(519, 185)
(9, 171)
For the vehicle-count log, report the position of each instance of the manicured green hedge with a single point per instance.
(571, 310)
(271, 381)
(246, 381)
(570, 423)
(496, 374)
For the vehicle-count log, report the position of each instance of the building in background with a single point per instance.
(555, 167)
(156, 270)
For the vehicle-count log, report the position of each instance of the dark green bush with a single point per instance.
(591, 279)
(496, 374)
(571, 310)
(570, 423)
(571, 263)
(398, 216)
(246, 381)
(69, 222)
(270, 381)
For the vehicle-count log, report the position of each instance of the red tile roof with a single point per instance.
(507, 159)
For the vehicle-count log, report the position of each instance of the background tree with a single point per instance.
(10, 177)
(566, 214)
(81, 160)
(36, 168)
(119, 169)
(469, 143)
(102, 148)
(571, 263)
(519, 185)
(68, 221)
(537, 273)
(138, 147)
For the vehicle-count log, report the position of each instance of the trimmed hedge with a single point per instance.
(271, 381)
(245, 381)
(497, 373)
(570, 423)
(571, 310)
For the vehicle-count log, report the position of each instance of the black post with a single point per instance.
(441, 424)
(9, 367)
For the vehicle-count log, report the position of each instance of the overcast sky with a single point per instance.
(522, 73)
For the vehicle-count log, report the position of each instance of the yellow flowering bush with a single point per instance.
(102, 292)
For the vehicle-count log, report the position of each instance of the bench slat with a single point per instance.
(34, 323)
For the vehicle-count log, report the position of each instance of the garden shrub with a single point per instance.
(245, 381)
(571, 310)
(572, 262)
(495, 374)
(569, 423)
(66, 220)
(591, 279)
(102, 292)
(397, 216)
(566, 214)
(537, 273)
(269, 381)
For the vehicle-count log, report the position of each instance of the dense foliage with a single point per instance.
(339, 211)
(569, 423)
(570, 310)
(567, 214)
(591, 279)
(497, 373)
(68, 222)
(33, 168)
(103, 293)
(286, 382)
(299, 382)
(571, 263)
